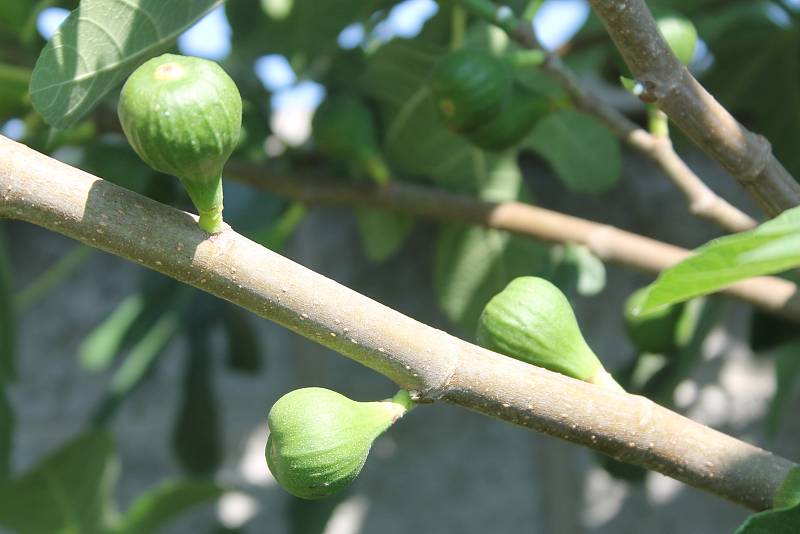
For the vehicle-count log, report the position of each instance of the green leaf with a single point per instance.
(13, 90)
(98, 45)
(777, 521)
(154, 509)
(382, 233)
(12, 13)
(69, 491)
(137, 364)
(275, 236)
(244, 346)
(304, 31)
(98, 349)
(787, 372)
(416, 142)
(8, 318)
(52, 277)
(583, 152)
(771, 248)
(473, 264)
(6, 434)
(768, 331)
(196, 437)
(131, 321)
(578, 268)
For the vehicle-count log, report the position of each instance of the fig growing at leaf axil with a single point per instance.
(182, 116)
(319, 439)
(532, 320)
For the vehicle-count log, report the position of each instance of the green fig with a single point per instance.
(531, 320)
(513, 123)
(657, 331)
(344, 129)
(319, 439)
(681, 36)
(182, 115)
(469, 88)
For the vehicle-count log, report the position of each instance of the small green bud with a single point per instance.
(182, 115)
(531, 320)
(681, 35)
(655, 332)
(319, 439)
(344, 129)
(470, 87)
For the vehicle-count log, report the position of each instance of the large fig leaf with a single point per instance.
(583, 152)
(98, 45)
(771, 248)
(416, 141)
(69, 491)
(154, 509)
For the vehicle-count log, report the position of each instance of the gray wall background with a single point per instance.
(441, 469)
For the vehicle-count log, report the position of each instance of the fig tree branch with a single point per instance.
(771, 294)
(51, 194)
(744, 154)
(702, 201)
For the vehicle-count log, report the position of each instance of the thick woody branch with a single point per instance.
(702, 201)
(48, 193)
(744, 154)
(610, 244)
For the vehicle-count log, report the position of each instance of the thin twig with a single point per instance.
(702, 201)
(610, 244)
(667, 82)
(51, 194)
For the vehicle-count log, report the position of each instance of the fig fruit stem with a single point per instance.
(403, 398)
(210, 212)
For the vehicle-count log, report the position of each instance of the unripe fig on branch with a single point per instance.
(655, 332)
(319, 439)
(681, 36)
(531, 320)
(512, 123)
(182, 116)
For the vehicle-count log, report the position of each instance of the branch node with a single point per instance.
(762, 154)
(452, 359)
(658, 88)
